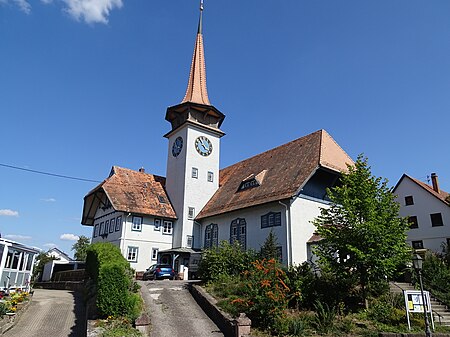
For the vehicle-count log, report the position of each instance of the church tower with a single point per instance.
(194, 150)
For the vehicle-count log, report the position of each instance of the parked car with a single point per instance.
(159, 271)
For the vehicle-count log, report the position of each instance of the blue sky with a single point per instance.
(85, 84)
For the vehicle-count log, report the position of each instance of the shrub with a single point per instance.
(226, 259)
(266, 292)
(3, 309)
(112, 277)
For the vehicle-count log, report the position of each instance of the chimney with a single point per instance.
(434, 180)
(142, 170)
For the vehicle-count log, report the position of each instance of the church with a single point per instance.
(197, 205)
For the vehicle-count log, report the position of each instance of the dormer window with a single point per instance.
(161, 199)
(247, 184)
(252, 181)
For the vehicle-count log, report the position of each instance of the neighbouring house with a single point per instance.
(62, 262)
(59, 255)
(428, 210)
(16, 264)
(169, 219)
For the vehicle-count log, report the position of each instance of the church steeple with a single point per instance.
(196, 91)
(195, 107)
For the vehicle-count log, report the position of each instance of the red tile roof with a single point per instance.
(284, 170)
(130, 191)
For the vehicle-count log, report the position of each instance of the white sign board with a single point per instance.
(414, 304)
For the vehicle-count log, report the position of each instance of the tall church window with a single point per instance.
(211, 236)
(238, 232)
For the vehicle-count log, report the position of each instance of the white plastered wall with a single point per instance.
(424, 204)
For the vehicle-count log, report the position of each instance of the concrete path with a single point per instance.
(52, 313)
(174, 313)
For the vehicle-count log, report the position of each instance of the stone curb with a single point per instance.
(228, 325)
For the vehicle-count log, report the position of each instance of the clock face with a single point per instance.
(177, 146)
(203, 146)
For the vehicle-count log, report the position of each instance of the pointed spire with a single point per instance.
(196, 91)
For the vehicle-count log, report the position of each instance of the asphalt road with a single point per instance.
(174, 313)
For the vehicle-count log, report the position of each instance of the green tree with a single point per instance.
(41, 259)
(80, 248)
(364, 239)
(269, 248)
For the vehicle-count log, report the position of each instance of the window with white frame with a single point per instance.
(238, 232)
(106, 227)
(102, 228)
(190, 241)
(157, 224)
(167, 228)
(132, 254)
(112, 225)
(195, 172)
(210, 176)
(191, 212)
(95, 230)
(137, 224)
(155, 254)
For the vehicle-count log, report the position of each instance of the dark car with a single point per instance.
(159, 271)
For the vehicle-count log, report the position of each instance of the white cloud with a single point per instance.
(50, 245)
(8, 212)
(23, 5)
(91, 11)
(49, 199)
(17, 237)
(69, 237)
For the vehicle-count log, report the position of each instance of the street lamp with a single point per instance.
(417, 263)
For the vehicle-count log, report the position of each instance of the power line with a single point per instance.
(49, 174)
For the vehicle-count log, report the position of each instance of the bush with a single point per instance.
(266, 293)
(113, 280)
(226, 259)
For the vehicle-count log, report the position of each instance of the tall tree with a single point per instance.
(80, 248)
(364, 239)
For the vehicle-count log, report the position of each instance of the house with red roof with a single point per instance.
(428, 210)
(196, 205)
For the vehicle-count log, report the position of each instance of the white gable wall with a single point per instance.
(303, 211)
(424, 204)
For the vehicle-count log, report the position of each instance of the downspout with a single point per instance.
(288, 232)
(122, 235)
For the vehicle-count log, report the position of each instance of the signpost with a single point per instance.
(414, 304)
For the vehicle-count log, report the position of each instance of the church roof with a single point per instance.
(442, 195)
(280, 173)
(130, 191)
(196, 91)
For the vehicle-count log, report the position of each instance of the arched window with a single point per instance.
(211, 236)
(238, 232)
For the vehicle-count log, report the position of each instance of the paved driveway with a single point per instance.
(52, 313)
(174, 313)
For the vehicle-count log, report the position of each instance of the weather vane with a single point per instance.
(201, 5)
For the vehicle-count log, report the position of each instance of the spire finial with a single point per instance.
(199, 31)
(196, 91)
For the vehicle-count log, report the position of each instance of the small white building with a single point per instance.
(428, 210)
(59, 255)
(16, 264)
